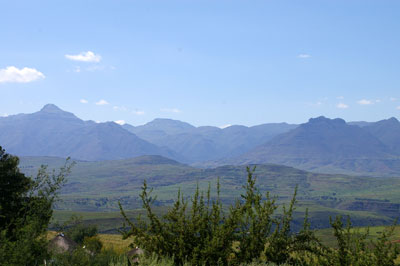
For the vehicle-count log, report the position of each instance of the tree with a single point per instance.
(13, 187)
(26, 207)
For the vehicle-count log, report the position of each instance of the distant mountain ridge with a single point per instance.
(54, 132)
(207, 142)
(321, 144)
(330, 145)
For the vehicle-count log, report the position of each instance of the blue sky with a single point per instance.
(204, 62)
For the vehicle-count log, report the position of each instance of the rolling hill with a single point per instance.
(99, 186)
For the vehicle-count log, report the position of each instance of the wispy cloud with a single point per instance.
(94, 68)
(120, 122)
(3, 115)
(88, 56)
(398, 107)
(170, 110)
(342, 106)
(102, 102)
(120, 108)
(365, 102)
(340, 97)
(16, 75)
(392, 99)
(138, 112)
(315, 104)
(304, 56)
(83, 101)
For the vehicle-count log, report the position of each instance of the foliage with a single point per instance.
(75, 229)
(354, 248)
(26, 209)
(81, 257)
(93, 244)
(206, 235)
(252, 233)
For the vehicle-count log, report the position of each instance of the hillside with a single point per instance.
(99, 186)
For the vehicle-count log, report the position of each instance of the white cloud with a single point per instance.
(392, 99)
(83, 101)
(102, 102)
(398, 107)
(3, 115)
(365, 102)
(24, 75)
(378, 100)
(340, 97)
(342, 106)
(77, 69)
(137, 112)
(170, 110)
(120, 122)
(88, 56)
(304, 56)
(225, 126)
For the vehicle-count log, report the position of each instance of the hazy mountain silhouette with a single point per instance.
(321, 144)
(206, 142)
(388, 132)
(326, 145)
(54, 132)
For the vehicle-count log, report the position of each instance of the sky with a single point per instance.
(205, 62)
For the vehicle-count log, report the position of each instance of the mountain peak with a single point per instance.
(51, 108)
(393, 120)
(323, 119)
(170, 126)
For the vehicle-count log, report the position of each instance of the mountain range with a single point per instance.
(332, 145)
(321, 144)
(203, 143)
(54, 132)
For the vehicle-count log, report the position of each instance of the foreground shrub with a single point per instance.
(205, 235)
(250, 233)
(353, 247)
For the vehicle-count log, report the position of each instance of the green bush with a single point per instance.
(205, 235)
(93, 244)
(250, 233)
(80, 231)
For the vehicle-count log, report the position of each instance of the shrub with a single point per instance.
(205, 235)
